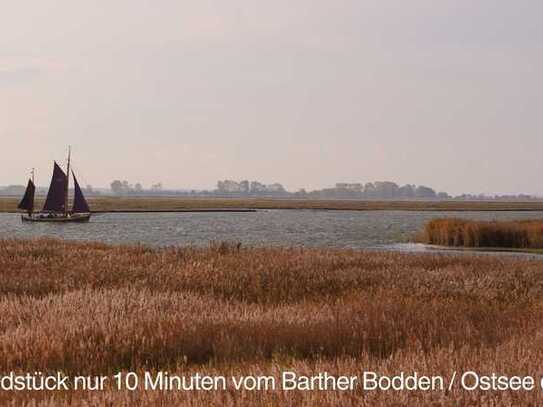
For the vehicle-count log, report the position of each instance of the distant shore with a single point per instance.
(184, 204)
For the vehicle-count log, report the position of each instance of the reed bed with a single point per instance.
(526, 234)
(90, 308)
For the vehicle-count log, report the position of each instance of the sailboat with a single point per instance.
(55, 208)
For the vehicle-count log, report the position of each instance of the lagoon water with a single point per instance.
(312, 228)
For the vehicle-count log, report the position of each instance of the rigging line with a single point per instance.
(74, 168)
(81, 178)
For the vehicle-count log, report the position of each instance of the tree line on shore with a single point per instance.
(385, 190)
(370, 190)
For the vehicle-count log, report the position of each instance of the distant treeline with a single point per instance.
(380, 190)
(371, 190)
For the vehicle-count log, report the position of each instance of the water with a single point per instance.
(372, 229)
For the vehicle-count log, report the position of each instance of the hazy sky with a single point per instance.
(446, 93)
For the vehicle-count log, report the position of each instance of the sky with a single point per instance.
(445, 93)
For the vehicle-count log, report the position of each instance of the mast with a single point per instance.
(32, 173)
(67, 181)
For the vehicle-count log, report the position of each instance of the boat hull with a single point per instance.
(45, 218)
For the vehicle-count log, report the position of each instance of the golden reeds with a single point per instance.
(526, 234)
(89, 308)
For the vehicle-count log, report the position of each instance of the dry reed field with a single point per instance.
(113, 204)
(90, 308)
(526, 234)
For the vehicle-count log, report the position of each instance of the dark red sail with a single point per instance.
(56, 197)
(80, 203)
(27, 203)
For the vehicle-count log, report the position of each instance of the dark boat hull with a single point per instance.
(74, 218)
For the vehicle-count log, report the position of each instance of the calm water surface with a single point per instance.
(372, 229)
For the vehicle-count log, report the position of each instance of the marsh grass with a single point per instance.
(112, 204)
(89, 308)
(527, 234)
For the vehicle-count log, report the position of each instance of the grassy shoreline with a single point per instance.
(134, 204)
(91, 308)
(505, 235)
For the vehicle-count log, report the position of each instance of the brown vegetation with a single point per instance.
(119, 204)
(526, 234)
(89, 308)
